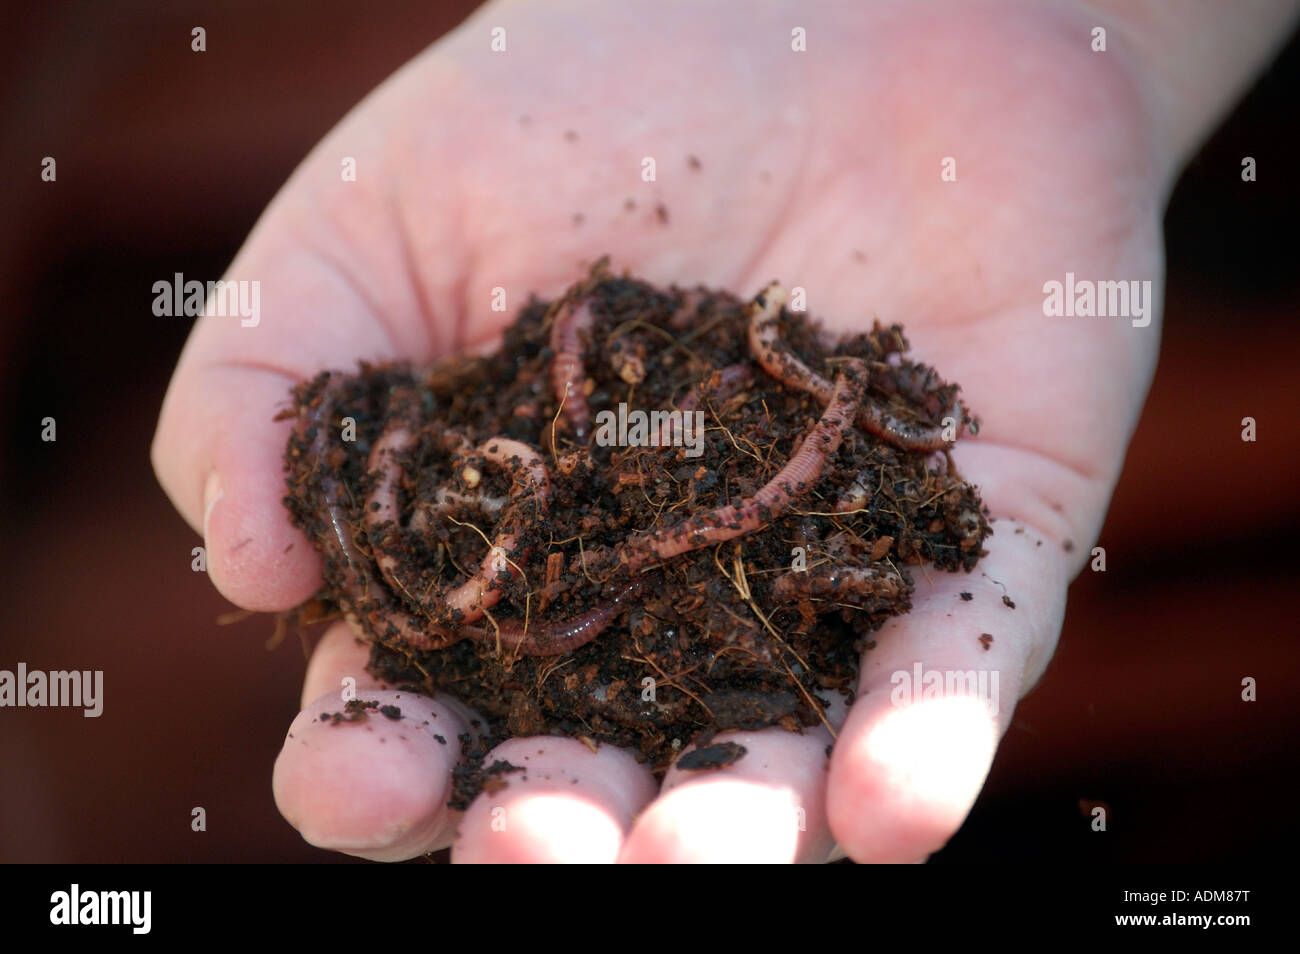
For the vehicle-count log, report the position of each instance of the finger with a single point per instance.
(340, 655)
(376, 787)
(768, 807)
(914, 754)
(219, 454)
(568, 804)
(321, 303)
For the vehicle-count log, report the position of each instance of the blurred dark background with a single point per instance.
(1140, 709)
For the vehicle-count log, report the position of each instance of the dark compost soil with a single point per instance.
(540, 582)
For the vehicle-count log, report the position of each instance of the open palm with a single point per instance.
(478, 169)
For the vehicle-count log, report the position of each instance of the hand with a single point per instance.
(818, 168)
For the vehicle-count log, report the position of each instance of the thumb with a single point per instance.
(218, 452)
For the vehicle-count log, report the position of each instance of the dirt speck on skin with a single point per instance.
(354, 711)
(468, 779)
(758, 630)
(711, 756)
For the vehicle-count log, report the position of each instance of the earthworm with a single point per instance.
(835, 583)
(467, 602)
(340, 544)
(775, 497)
(445, 500)
(856, 497)
(780, 362)
(723, 383)
(562, 636)
(567, 369)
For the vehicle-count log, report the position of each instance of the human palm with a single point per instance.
(479, 169)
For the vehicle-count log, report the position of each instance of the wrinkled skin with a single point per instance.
(820, 169)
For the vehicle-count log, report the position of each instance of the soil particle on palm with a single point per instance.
(711, 756)
(354, 711)
(712, 639)
(471, 777)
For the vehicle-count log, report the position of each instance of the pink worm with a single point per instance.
(341, 545)
(467, 602)
(560, 636)
(835, 583)
(567, 369)
(775, 497)
(780, 362)
(447, 500)
(856, 497)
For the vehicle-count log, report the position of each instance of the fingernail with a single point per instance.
(212, 492)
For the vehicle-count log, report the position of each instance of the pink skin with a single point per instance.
(774, 498)
(409, 771)
(568, 371)
(780, 362)
(465, 603)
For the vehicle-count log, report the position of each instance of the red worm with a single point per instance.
(561, 636)
(856, 497)
(775, 498)
(467, 602)
(780, 362)
(340, 545)
(835, 583)
(568, 372)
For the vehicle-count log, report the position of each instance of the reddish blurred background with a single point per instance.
(165, 159)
